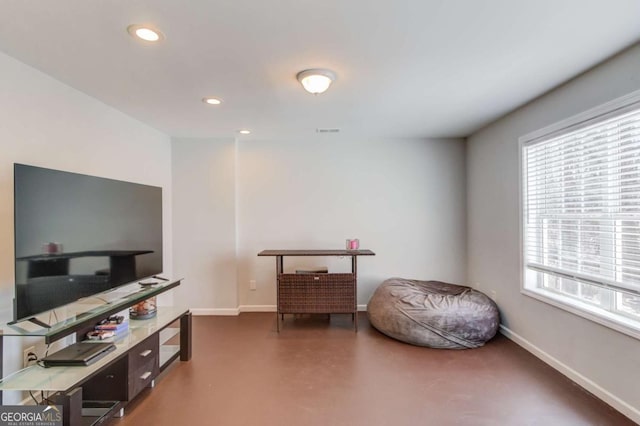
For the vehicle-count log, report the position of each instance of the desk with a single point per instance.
(317, 293)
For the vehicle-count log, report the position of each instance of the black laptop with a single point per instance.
(79, 354)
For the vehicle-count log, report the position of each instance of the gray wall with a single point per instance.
(48, 124)
(404, 199)
(605, 361)
(204, 224)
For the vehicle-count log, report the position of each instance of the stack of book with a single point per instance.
(107, 330)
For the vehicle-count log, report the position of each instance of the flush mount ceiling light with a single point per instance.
(145, 32)
(211, 101)
(316, 80)
(244, 132)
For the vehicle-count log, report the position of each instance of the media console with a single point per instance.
(94, 394)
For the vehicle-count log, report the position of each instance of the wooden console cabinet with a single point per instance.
(323, 293)
(122, 378)
(141, 364)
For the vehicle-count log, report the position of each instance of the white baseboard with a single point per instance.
(245, 308)
(620, 405)
(214, 311)
(257, 308)
(272, 308)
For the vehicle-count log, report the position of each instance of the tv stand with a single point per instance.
(103, 389)
(122, 374)
(33, 320)
(158, 277)
(36, 321)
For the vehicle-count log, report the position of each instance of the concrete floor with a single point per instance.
(317, 372)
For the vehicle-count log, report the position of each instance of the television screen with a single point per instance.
(77, 235)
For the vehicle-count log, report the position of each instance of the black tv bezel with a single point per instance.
(32, 316)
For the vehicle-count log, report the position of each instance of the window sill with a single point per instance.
(608, 319)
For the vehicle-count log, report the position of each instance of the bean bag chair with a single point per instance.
(433, 314)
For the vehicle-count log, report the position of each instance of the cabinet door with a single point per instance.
(110, 384)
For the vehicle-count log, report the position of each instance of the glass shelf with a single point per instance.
(167, 353)
(96, 412)
(84, 312)
(65, 378)
(169, 348)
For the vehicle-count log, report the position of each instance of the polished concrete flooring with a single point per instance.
(317, 372)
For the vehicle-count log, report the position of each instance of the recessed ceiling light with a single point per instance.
(145, 33)
(244, 132)
(212, 101)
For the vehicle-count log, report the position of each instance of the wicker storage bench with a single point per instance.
(316, 293)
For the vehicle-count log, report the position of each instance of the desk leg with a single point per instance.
(1, 359)
(354, 270)
(279, 269)
(71, 406)
(185, 337)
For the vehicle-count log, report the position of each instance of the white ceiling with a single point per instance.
(419, 68)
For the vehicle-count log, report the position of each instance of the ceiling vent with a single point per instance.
(326, 130)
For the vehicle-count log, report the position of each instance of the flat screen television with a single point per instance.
(78, 235)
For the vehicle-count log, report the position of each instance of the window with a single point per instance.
(581, 214)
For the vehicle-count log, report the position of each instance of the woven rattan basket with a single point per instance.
(316, 293)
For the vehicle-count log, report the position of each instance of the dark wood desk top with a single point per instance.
(316, 253)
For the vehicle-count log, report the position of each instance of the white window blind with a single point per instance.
(581, 203)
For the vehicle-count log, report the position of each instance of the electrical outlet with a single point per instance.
(252, 285)
(26, 358)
